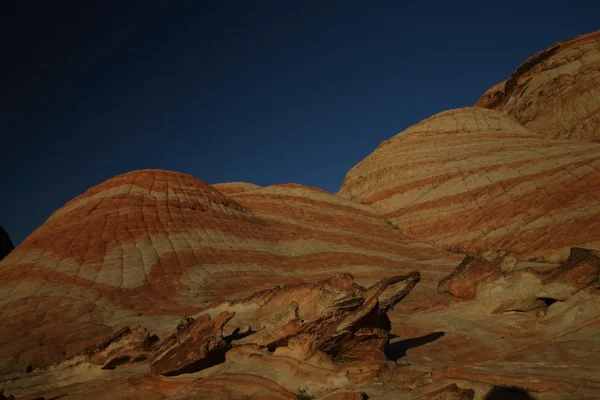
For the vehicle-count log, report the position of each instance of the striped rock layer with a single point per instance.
(475, 179)
(151, 247)
(134, 255)
(556, 92)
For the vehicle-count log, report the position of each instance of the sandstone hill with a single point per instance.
(151, 247)
(473, 179)
(556, 92)
(460, 260)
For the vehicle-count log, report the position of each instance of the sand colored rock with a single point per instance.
(474, 179)
(450, 392)
(307, 354)
(129, 344)
(235, 187)
(347, 396)
(198, 346)
(333, 318)
(470, 274)
(152, 247)
(523, 289)
(556, 92)
(478, 350)
(290, 292)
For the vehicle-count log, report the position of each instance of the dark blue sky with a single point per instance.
(272, 92)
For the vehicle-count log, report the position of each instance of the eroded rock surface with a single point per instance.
(198, 346)
(475, 179)
(151, 247)
(556, 92)
(284, 292)
(450, 392)
(128, 344)
(335, 318)
(522, 289)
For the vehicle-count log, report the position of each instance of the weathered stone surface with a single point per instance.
(581, 270)
(475, 179)
(335, 317)
(524, 289)
(234, 386)
(151, 247)
(450, 392)
(129, 344)
(556, 92)
(348, 396)
(465, 279)
(198, 346)
(235, 187)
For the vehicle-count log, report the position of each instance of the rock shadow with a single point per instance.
(397, 350)
(505, 393)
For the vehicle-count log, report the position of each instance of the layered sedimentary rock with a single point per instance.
(235, 187)
(6, 245)
(529, 326)
(155, 285)
(304, 341)
(556, 92)
(315, 323)
(151, 247)
(474, 179)
(500, 289)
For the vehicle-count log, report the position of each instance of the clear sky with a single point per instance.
(257, 91)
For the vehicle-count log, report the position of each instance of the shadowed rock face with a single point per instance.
(6, 245)
(556, 92)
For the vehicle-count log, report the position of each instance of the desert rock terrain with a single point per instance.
(459, 260)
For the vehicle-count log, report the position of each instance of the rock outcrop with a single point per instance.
(6, 245)
(312, 322)
(522, 289)
(235, 187)
(129, 344)
(556, 92)
(475, 179)
(450, 392)
(198, 346)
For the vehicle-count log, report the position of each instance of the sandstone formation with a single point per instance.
(129, 344)
(6, 245)
(474, 179)
(235, 187)
(450, 392)
(522, 289)
(151, 247)
(198, 346)
(460, 260)
(556, 92)
(311, 322)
